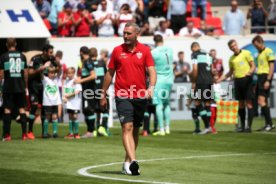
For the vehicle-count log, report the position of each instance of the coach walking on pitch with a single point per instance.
(130, 61)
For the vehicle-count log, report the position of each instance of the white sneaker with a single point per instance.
(205, 131)
(268, 128)
(167, 130)
(125, 168)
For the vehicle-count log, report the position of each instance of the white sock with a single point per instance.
(126, 167)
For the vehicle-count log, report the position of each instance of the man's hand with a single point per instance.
(150, 92)
(249, 74)
(266, 85)
(26, 91)
(77, 80)
(47, 64)
(103, 103)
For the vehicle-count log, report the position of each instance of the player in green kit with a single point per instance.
(163, 59)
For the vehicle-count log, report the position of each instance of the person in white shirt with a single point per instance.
(72, 99)
(164, 31)
(105, 20)
(190, 30)
(234, 21)
(124, 16)
(119, 3)
(51, 100)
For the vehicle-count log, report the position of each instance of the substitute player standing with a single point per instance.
(100, 69)
(241, 64)
(265, 72)
(202, 76)
(130, 62)
(13, 69)
(163, 60)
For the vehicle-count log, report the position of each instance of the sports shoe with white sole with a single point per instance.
(161, 133)
(268, 128)
(102, 131)
(125, 168)
(205, 131)
(134, 168)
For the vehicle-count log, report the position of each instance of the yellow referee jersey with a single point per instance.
(240, 63)
(263, 59)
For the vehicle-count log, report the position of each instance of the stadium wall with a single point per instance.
(71, 46)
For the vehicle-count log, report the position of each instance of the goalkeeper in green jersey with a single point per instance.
(163, 59)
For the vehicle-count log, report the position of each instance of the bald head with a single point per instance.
(234, 5)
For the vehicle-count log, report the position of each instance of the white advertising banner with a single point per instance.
(71, 47)
(20, 19)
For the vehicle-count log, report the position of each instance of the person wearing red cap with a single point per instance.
(65, 21)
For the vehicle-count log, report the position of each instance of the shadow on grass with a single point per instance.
(110, 172)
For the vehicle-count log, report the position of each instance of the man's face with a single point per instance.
(259, 46)
(256, 2)
(104, 4)
(68, 10)
(39, 1)
(234, 5)
(48, 54)
(130, 35)
(234, 47)
(181, 56)
(213, 54)
(190, 26)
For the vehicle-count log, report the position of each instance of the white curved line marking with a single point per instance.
(83, 171)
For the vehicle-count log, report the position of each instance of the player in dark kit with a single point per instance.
(202, 75)
(38, 65)
(100, 69)
(13, 68)
(87, 80)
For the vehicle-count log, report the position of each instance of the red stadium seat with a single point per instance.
(195, 20)
(214, 21)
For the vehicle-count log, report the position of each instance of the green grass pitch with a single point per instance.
(226, 157)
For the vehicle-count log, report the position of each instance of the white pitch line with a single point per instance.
(83, 171)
